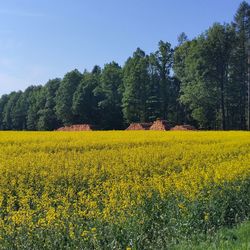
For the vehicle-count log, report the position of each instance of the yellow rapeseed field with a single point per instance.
(92, 189)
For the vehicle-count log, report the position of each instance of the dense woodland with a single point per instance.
(204, 82)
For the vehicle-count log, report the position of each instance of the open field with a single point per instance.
(120, 189)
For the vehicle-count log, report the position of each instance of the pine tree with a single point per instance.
(136, 80)
(110, 92)
(242, 60)
(164, 61)
(64, 97)
(85, 100)
(47, 115)
(3, 101)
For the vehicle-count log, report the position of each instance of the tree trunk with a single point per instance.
(222, 97)
(248, 83)
(223, 123)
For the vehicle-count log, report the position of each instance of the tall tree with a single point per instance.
(202, 65)
(188, 66)
(136, 80)
(176, 111)
(36, 100)
(85, 101)
(182, 38)
(218, 48)
(64, 97)
(47, 115)
(18, 113)
(110, 92)
(3, 101)
(164, 61)
(9, 113)
(242, 60)
(153, 101)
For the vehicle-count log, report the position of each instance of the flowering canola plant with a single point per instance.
(119, 188)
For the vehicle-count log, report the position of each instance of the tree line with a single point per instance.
(204, 82)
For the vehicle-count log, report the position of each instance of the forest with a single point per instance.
(204, 82)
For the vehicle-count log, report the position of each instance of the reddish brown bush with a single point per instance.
(183, 127)
(139, 126)
(160, 125)
(77, 127)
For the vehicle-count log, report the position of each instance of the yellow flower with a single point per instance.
(84, 233)
(181, 206)
(206, 216)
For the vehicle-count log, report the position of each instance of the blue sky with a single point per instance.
(44, 39)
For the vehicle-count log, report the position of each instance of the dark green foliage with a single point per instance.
(3, 101)
(136, 79)
(110, 90)
(163, 63)
(18, 113)
(240, 67)
(64, 97)
(153, 102)
(85, 101)
(47, 115)
(36, 99)
(196, 95)
(9, 115)
(208, 86)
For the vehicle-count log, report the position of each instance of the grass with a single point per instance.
(225, 239)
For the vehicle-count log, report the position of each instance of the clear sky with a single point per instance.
(44, 39)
